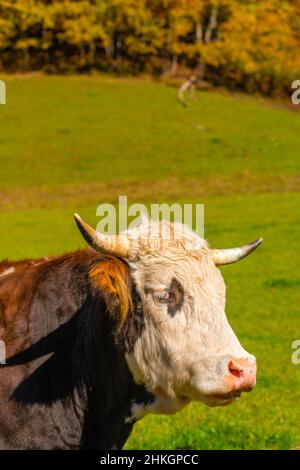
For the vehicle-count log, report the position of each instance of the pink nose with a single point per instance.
(242, 373)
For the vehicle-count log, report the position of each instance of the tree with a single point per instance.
(237, 43)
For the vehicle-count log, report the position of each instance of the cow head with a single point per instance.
(187, 350)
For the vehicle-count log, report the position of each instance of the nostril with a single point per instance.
(235, 370)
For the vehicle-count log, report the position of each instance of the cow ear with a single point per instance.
(110, 278)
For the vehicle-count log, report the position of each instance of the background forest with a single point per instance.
(242, 44)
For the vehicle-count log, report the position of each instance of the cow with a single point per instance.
(97, 339)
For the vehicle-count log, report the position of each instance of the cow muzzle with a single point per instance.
(242, 374)
(219, 382)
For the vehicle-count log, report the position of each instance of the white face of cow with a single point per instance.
(187, 349)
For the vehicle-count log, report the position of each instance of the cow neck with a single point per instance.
(105, 389)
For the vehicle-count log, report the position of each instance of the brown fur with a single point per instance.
(21, 264)
(66, 323)
(111, 278)
(108, 276)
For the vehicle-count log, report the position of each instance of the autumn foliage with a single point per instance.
(247, 44)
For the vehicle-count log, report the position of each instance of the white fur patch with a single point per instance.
(8, 271)
(160, 405)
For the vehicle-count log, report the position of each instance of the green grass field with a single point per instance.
(68, 144)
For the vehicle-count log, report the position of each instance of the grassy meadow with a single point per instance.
(70, 143)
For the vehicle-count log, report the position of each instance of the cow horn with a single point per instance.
(232, 255)
(117, 245)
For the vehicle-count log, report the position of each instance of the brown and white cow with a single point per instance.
(98, 338)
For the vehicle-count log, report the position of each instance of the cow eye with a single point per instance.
(176, 296)
(172, 297)
(163, 297)
(167, 297)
